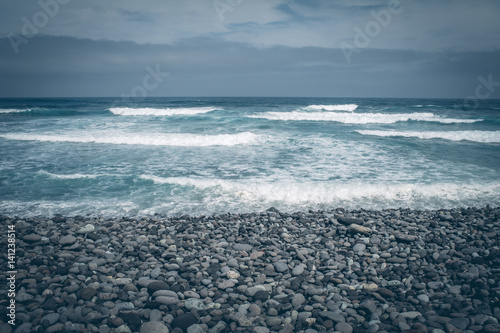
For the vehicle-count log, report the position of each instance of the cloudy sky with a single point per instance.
(337, 48)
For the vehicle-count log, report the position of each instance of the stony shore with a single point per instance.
(317, 271)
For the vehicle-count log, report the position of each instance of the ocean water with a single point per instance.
(199, 156)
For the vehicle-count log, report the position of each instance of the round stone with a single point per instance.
(157, 285)
(281, 266)
(233, 274)
(423, 298)
(343, 327)
(261, 295)
(67, 240)
(360, 247)
(298, 300)
(153, 327)
(87, 293)
(183, 321)
(298, 270)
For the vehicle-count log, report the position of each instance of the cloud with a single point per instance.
(64, 66)
(422, 25)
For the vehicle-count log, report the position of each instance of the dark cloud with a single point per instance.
(64, 66)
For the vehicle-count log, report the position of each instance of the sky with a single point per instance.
(310, 48)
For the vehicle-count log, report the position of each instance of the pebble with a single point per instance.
(395, 270)
(356, 228)
(67, 240)
(298, 270)
(298, 300)
(86, 229)
(153, 327)
(343, 327)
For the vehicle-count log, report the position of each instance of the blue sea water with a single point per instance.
(172, 156)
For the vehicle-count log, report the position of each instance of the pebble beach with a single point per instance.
(396, 270)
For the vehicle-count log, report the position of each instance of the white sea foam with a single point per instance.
(339, 107)
(476, 136)
(160, 112)
(68, 176)
(13, 110)
(290, 195)
(150, 139)
(360, 118)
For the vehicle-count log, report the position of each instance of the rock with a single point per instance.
(370, 286)
(253, 290)
(460, 323)
(335, 317)
(56, 328)
(4, 327)
(405, 238)
(243, 247)
(280, 266)
(49, 319)
(369, 305)
(195, 329)
(50, 304)
(423, 298)
(24, 328)
(184, 321)
(154, 327)
(233, 274)
(194, 303)
(167, 300)
(87, 293)
(491, 328)
(298, 270)
(350, 220)
(86, 229)
(298, 300)
(124, 329)
(343, 327)
(155, 315)
(67, 240)
(32, 238)
(226, 284)
(273, 321)
(157, 285)
(356, 228)
(221, 326)
(155, 273)
(360, 247)
(261, 295)
(410, 314)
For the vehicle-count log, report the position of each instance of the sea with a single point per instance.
(201, 156)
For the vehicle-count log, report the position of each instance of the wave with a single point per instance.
(160, 112)
(475, 136)
(360, 118)
(151, 139)
(69, 176)
(14, 110)
(292, 195)
(339, 107)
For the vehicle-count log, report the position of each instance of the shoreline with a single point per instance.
(393, 270)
